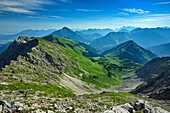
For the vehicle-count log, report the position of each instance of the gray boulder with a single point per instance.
(117, 109)
(139, 105)
(6, 106)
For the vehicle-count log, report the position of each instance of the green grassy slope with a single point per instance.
(78, 47)
(130, 51)
(47, 63)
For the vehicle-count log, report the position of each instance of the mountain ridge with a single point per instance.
(110, 40)
(78, 47)
(41, 62)
(130, 50)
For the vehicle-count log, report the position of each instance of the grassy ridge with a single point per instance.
(92, 68)
(78, 47)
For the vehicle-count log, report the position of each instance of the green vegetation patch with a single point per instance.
(49, 90)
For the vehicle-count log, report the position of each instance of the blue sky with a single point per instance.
(17, 15)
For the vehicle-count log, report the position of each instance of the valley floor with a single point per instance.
(130, 82)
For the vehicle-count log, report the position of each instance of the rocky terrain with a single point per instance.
(107, 102)
(157, 77)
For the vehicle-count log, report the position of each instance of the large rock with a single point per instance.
(117, 109)
(139, 105)
(6, 106)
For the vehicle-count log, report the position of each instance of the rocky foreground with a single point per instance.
(107, 102)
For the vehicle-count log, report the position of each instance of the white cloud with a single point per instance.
(139, 11)
(155, 17)
(56, 16)
(35, 17)
(65, 1)
(122, 13)
(162, 3)
(23, 6)
(10, 3)
(88, 10)
(17, 10)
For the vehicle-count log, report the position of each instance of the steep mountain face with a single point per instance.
(89, 36)
(78, 47)
(161, 50)
(157, 77)
(66, 32)
(147, 37)
(110, 40)
(38, 61)
(100, 31)
(130, 50)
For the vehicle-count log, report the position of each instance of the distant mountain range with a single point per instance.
(148, 37)
(28, 33)
(110, 40)
(164, 32)
(128, 28)
(3, 47)
(123, 30)
(90, 37)
(99, 31)
(144, 37)
(161, 50)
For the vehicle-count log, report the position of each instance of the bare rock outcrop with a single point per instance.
(157, 79)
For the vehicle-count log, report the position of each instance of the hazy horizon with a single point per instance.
(77, 29)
